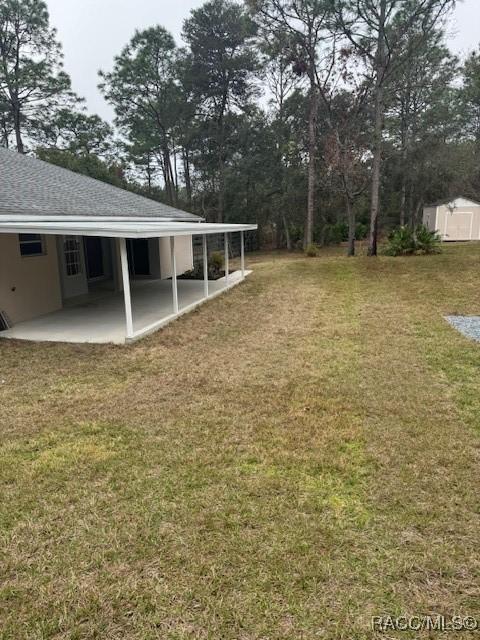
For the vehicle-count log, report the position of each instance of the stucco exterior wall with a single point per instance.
(443, 224)
(183, 254)
(159, 256)
(29, 285)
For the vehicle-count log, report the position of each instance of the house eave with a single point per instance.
(120, 228)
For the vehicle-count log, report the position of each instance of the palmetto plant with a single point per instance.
(404, 241)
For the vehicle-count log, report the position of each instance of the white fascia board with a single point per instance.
(124, 230)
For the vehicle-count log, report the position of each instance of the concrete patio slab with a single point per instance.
(101, 319)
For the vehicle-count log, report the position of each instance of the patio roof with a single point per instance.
(114, 227)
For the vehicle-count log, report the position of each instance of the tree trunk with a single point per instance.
(351, 226)
(149, 173)
(375, 193)
(5, 132)
(404, 158)
(288, 238)
(403, 188)
(278, 236)
(17, 128)
(188, 180)
(378, 131)
(415, 213)
(312, 150)
(170, 177)
(403, 200)
(175, 171)
(221, 187)
(411, 209)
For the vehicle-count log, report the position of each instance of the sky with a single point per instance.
(92, 32)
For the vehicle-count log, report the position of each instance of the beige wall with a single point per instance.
(29, 286)
(442, 214)
(183, 255)
(161, 253)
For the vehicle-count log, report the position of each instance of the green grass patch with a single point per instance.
(293, 458)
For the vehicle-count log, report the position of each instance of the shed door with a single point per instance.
(459, 226)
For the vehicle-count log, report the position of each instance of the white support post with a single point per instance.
(242, 253)
(205, 266)
(126, 286)
(226, 258)
(174, 274)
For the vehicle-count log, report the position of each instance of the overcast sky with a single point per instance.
(94, 31)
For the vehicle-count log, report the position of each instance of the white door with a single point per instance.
(72, 266)
(458, 226)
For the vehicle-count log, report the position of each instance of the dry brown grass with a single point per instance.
(290, 459)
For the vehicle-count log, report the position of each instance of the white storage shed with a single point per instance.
(457, 219)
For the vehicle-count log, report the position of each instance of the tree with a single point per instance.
(6, 122)
(346, 151)
(32, 82)
(144, 90)
(469, 99)
(219, 70)
(470, 95)
(419, 103)
(377, 29)
(282, 82)
(305, 27)
(77, 132)
(87, 164)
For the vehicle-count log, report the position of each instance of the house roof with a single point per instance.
(31, 187)
(439, 203)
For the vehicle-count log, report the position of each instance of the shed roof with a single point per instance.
(455, 201)
(31, 187)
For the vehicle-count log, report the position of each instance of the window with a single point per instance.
(31, 244)
(71, 251)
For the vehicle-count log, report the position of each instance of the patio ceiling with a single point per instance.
(115, 228)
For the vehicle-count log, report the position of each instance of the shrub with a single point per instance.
(427, 242)
(336, 233)
(403, 242)
(361, 231)
(400, 242)
(311, 250)
(215, 262)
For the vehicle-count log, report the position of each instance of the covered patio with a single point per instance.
(101, 318)
(142, 306)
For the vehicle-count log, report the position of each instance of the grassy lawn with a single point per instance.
(294, 457)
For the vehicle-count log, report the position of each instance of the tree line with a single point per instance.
(322, 120)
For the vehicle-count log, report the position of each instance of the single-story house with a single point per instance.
(84, 261)
(457, 219)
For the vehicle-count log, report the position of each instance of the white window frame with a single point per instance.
(40, 239)
(75, 252)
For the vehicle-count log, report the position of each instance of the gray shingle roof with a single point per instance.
(32, 187)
